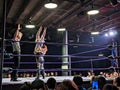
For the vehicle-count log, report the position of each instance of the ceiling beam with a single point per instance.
(1, 10)
(35, 10)
(23, 6)
(89, 24)
(70, 14)
(9, 5)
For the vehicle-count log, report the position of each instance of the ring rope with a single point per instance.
(59, 62)
(64, 56)
(59, 69)
(34, 63)
(90, 60)
(88, 51)
(52, 43)
(86, 69)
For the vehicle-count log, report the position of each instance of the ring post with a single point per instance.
(2, 43)
(91, 61)
(114, 52)
(65, 53)
(70, 66)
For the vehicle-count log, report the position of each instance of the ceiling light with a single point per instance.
(112, 33)
(30, 26)
(50, 5)
(93, 12)
(61, 29)
(106, 35)
(95, 33)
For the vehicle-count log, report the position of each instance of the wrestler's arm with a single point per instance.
(34, 51)
(38, 33)
(17, 31)
(45, 49)
(44, 34)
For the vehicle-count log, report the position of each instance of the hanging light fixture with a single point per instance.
(94, 32)
(50, 5)
(30, 25)
(61, 28)
(93, 11)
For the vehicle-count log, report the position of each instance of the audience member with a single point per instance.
(101, 82)
(93, 79)
(61, 86)
(110, 87)
(51, 84)
(70, 84)
(107, 75)
(116, 82)
(38, 84)
(90, 74)
(79, 81)
(26, 86)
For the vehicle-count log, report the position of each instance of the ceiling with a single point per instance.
(70, 14)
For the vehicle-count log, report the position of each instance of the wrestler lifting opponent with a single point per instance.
(16, 52)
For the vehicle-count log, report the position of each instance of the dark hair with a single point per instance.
(51, 82)
(110, 87)
(117, 80)
(37, 84)
(26, 86)
(61, 86)
(70, 84)
(78, 80)
(101, 82)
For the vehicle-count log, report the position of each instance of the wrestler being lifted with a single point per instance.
(40, 50)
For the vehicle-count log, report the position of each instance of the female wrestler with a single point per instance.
(16, 51)
(40, 50)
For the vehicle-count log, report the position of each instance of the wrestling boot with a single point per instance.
(14, 76)
(38, 74)
(43, 74)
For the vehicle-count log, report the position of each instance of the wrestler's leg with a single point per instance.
(38, 66)
(42, 67)
(14, 74)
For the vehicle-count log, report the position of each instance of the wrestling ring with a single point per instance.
(73, 64)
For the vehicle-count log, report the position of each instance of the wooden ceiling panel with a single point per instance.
(14, 9)
(27, 10)
(1, 9)
(69, 13)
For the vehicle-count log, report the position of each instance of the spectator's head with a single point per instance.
(101, 73)
(26, 86)
(116, 82)
(70, 84)
(101, 82)
(110, 87)
(38, 84)
(89, 72)
(61, 87)
(51, 83)
(78, 80)
(92, 79)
